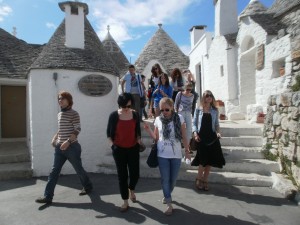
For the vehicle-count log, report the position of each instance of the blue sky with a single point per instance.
(132, 22)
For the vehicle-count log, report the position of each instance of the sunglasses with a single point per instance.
(156, 68)
(188, 89)
(165, 110)
(61, 98)
(126, 106)
(208, 95)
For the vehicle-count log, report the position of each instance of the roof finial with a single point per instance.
(160, 25)
(108, 28)
(14, 32)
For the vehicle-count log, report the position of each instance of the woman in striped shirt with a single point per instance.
(66, 148)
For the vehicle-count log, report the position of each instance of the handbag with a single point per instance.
(193, 144)
(152, 159)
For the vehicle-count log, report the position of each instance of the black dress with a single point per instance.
(209, 151)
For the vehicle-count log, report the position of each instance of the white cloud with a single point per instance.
(5, 10)
(51, 25)
(185, 49)
(122, 16)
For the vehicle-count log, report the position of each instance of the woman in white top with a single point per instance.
(183, 106)
(169, 129)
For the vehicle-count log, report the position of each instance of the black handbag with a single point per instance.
(152, 159)
(193, 144)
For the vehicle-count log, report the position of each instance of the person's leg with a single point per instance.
(199, 179)
(73, 154)
(205, 177)
(137, 103)
(175, 167)
(164, 169)
(59, 161)
(134, 170)
(120, 157)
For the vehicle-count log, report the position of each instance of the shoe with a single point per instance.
(85, 191)
(205, 186)
(169, 211)
(43, 200)
(132, 196)
(124, 208)
(199, 184)
(164, 201)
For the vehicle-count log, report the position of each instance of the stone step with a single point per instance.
(14, 157)
(235, 153)
(258, 166)
(15, 170)
(222, 177)
(255, 172)
(245, 141)
(240, 131)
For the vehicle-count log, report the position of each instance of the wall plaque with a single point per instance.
(95, 85)
(260, 57)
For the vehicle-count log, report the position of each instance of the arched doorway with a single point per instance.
(247, 74)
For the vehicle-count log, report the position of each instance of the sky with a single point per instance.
(132, 22)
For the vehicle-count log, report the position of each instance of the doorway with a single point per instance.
(13, 111)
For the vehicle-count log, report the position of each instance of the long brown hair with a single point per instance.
(202, 100)
(153, 70)
(175, 72)
(67, 96)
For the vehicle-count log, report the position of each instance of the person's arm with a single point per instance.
(185, 141)
(149, 131)
(177, 101)
(195, 125)
(53, 142)
(217, 125)
(122, 85)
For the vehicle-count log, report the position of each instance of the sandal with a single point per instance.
(199, 184)
(124, 208)
(205, 186)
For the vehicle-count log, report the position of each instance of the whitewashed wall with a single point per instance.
(265, 85)
(43, 109)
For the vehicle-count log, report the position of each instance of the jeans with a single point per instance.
(127, 160)
(188, 121)
(73, 154)
(169, 169)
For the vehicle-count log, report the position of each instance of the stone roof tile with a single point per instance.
(163, 49)
(93, 57)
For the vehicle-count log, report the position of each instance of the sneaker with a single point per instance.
(164, 201)
(85, 191)
(43, 200)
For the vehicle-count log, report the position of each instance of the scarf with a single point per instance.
(65, 109)
(166, 129)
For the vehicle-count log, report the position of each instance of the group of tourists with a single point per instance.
(176, 122)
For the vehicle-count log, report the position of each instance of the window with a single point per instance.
(222, 70)
(74, 10)
(278, 67)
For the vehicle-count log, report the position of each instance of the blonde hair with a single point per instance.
(167, 101)
(202, 100)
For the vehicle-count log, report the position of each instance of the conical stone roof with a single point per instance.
(93, 57)
(163, 49)
(16, 56)
(280, 7)
(116, 54)
(254, 7)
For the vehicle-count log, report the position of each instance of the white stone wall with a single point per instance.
(43, 109)
(265, 83)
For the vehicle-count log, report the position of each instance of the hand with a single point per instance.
(187, 154)
(196, 137)
(64, 145)
(219, 135)
(53, 142)
(146, 126)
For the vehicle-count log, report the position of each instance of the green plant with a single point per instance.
(269, 156)
(296, 86)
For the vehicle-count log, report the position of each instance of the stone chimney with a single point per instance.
(75, 13)
(196, 32)
(226, 20)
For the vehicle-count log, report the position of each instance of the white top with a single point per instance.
(164, 147)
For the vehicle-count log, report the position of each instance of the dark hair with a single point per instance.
(67, 96)
(124, 98)
(143, 76)
(167, 84)
(156, 65)
(131, 66)
(175, 72)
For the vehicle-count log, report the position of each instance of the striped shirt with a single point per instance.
(68, 123)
